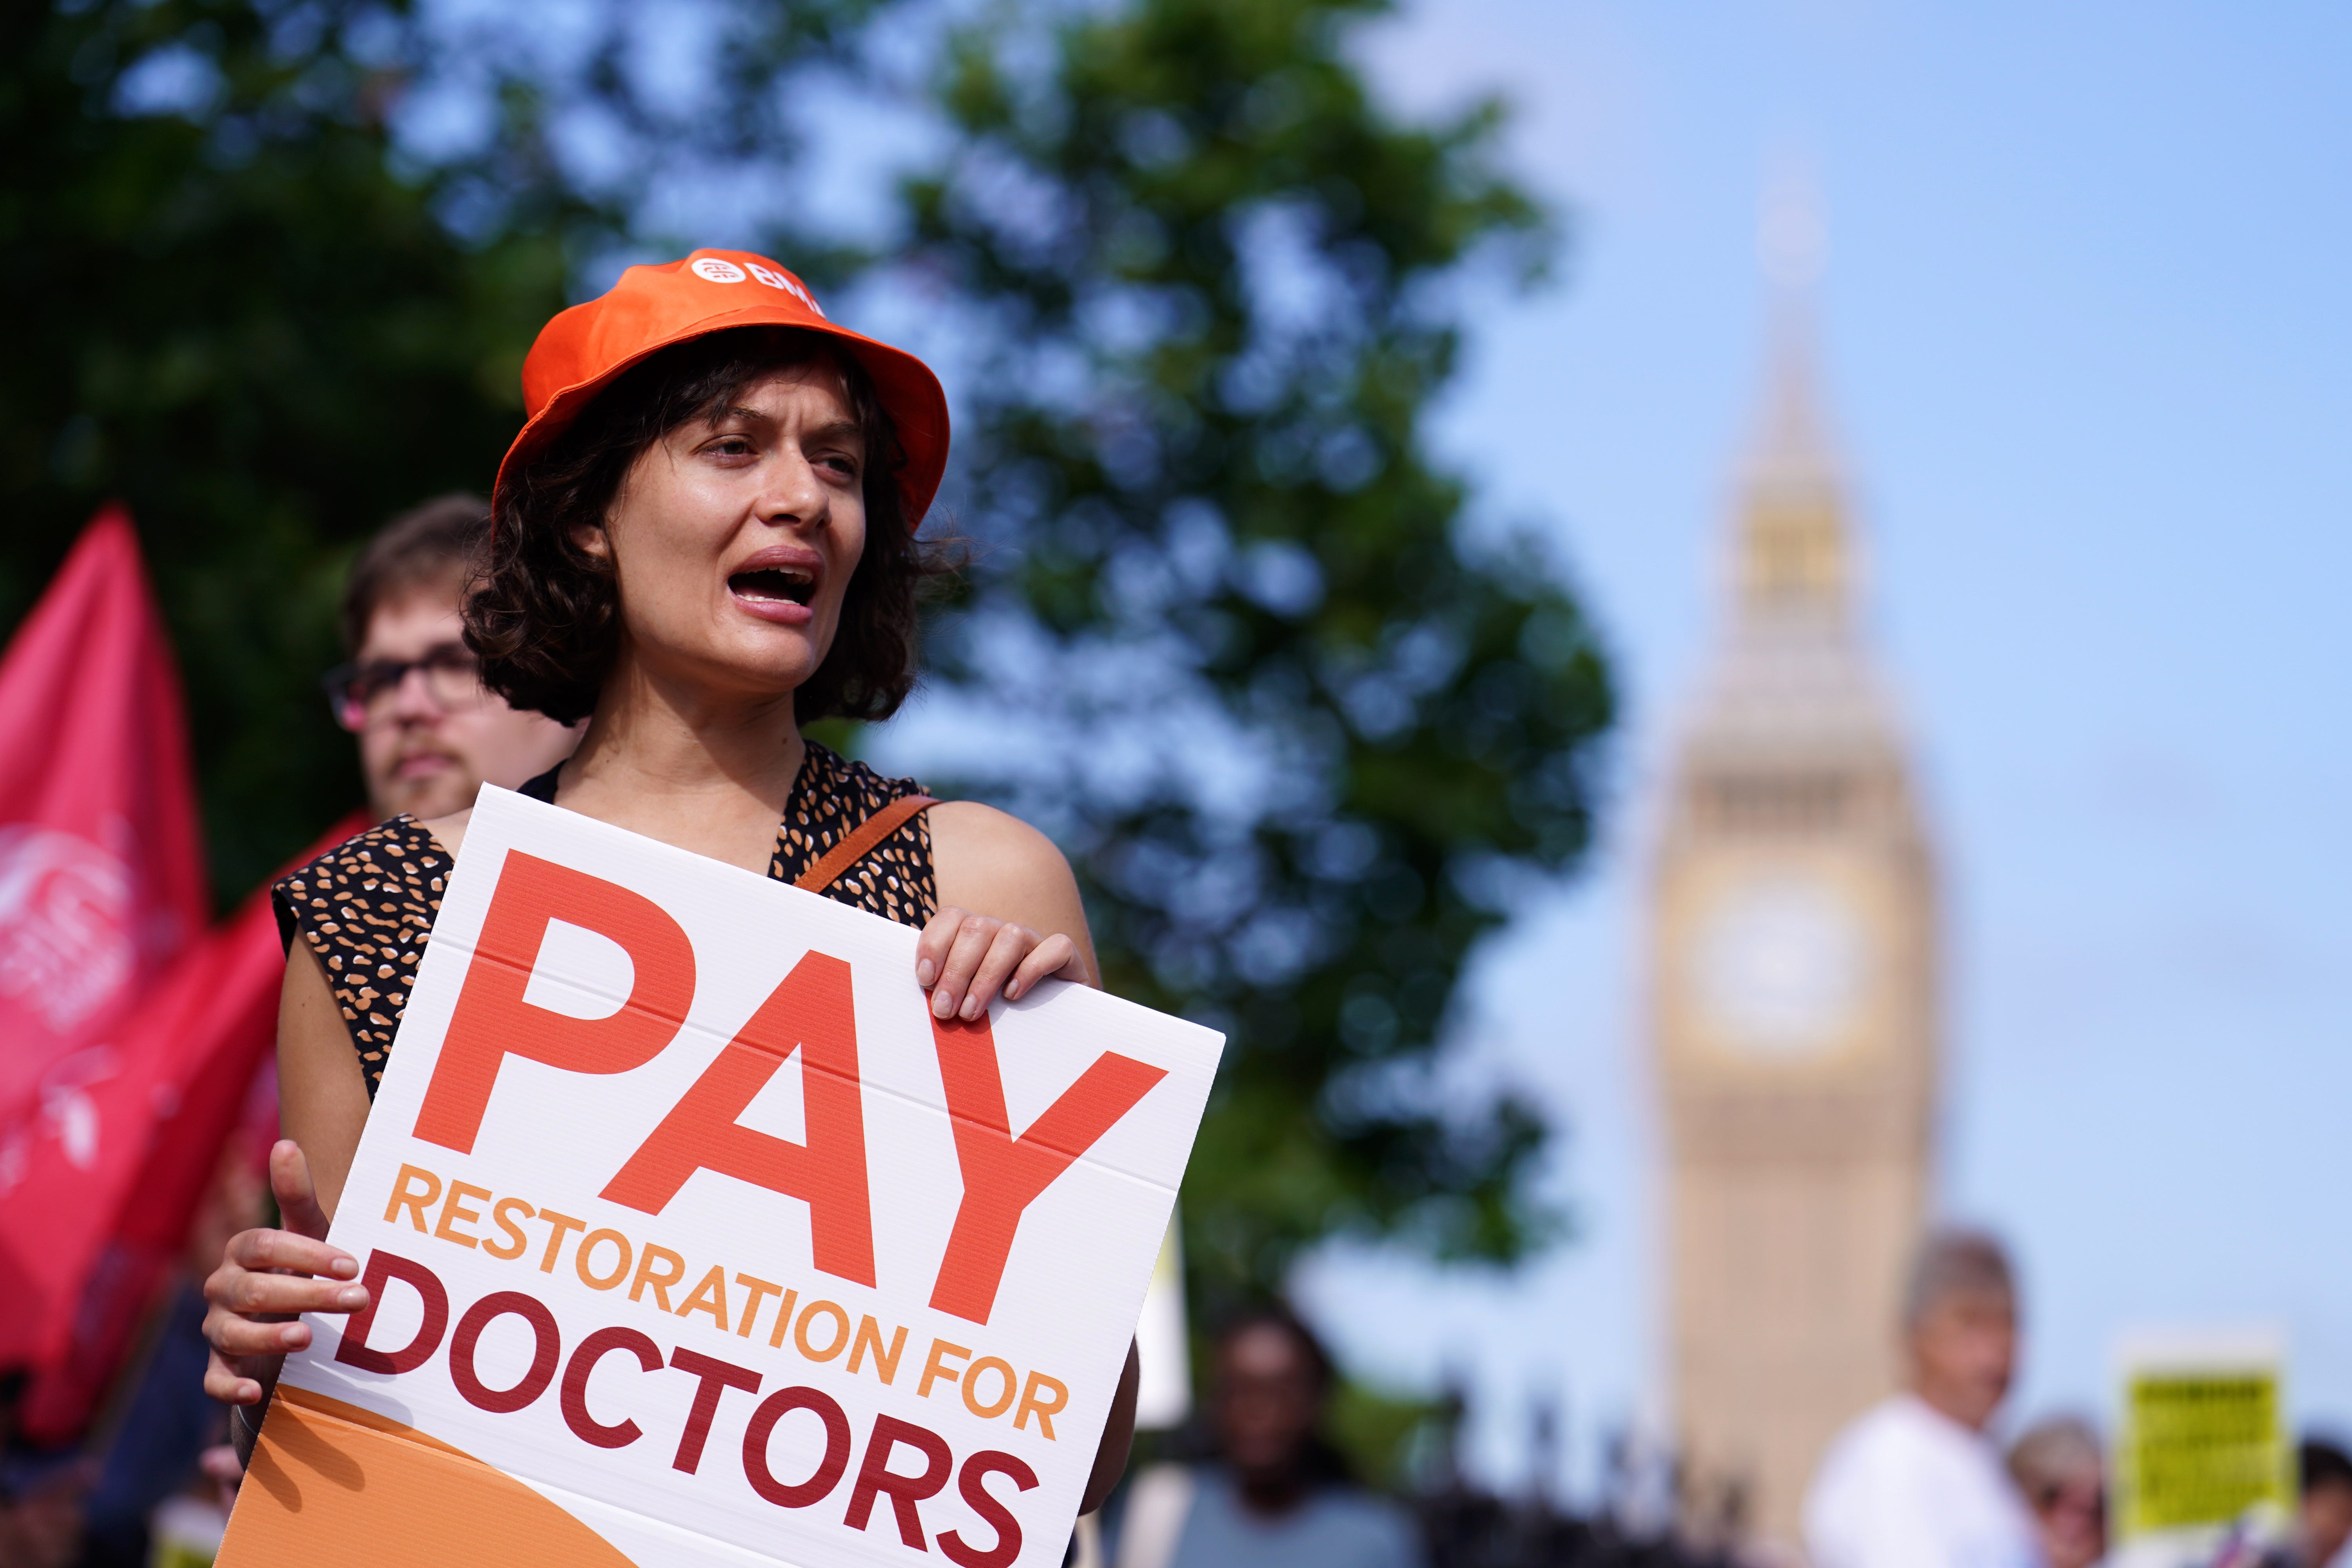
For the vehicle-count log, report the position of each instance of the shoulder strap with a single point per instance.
(860, 841)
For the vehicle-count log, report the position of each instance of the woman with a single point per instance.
(703, 539)
(2059, 1469)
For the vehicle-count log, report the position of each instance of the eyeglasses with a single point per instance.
(357, 693)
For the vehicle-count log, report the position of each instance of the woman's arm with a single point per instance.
(1119, 1437)
(322, 1102)
(268, 1278)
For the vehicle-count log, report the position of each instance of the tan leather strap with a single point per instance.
(860, 842)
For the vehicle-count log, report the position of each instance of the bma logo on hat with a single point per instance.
(788, 283)
(717, 270)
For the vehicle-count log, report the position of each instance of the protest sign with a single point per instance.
(2202, 1454)
(694, 1239)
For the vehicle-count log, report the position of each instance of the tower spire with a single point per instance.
(1791, 556)
(1792, 976)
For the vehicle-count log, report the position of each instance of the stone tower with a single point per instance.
(1792, 1001)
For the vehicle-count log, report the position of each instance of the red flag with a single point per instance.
(190, 1062)
(101, 886)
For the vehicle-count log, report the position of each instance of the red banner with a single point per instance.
(101, 888)
(190, 1072)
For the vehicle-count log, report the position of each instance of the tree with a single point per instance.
(1196, 285)
(1303, 728)
(224, 307)
(238, 298)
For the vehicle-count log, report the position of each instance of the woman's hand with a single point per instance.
(965, 961)
(266, 1279)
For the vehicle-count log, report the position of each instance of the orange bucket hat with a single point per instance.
(579, 352)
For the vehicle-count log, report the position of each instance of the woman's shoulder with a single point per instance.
(398, 857)
(983, 832)
(399, 846)
(992, 861)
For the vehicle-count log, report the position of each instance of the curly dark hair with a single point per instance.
(543, 615)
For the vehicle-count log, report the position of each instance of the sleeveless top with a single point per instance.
(366, 907)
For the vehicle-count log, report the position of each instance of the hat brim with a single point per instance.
(909, 394)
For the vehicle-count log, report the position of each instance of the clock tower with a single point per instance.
(1792, 996)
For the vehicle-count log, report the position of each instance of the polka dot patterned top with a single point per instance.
(366, 907)
(830, 798)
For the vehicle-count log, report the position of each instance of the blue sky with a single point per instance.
(2087, 348)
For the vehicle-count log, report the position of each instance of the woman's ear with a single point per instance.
(595, 540)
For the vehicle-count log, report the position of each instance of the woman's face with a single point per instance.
(734, 539)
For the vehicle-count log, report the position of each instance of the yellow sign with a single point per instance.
(2203, 1439)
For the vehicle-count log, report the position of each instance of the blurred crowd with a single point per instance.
(1916, 1482)
(1919, 1481)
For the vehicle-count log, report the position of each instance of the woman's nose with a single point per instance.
(796, 494)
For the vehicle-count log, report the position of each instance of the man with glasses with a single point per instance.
(430, 736)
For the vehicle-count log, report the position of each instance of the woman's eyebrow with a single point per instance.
(840, 429)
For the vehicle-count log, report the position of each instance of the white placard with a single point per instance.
(737, 1256)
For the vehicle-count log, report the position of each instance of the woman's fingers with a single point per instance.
(1056, 955)
(967, 960)
(226, 1384)
(931, 947)
(1016, 962)
(1010, 946)
(974, 935)
(235, 1336)
(241, 1379)
(250, 1294)
(297, 1197)
(266, 1279)
(946, 954)
(240, 1337)
(283, 1249)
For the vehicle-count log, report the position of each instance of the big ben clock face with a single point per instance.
(1777, 965)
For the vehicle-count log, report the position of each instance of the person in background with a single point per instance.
(430, 735)
(1915, 1483)
(2322, 1522)
(2059, 1469)
(1279, 1495)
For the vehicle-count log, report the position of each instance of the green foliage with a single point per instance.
(1327, 733)
(1306, 732)
(234, 299)
(1387, 1437)
(224, 308)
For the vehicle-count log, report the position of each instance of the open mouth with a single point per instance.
(775, 584)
